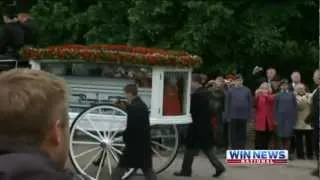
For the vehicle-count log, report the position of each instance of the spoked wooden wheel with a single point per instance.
(165, 144)
(96, 141)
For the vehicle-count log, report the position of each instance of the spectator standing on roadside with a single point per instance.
(295, 79)
(229, 82)
(275, 84)
(34, 131)
(285, 114)
(204, 79)
(239, 111)
(259, 77)
(303, 130)
(264, 121)
(217, 105)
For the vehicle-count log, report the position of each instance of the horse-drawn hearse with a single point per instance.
(96, 76)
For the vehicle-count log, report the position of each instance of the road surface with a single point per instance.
(295, 170)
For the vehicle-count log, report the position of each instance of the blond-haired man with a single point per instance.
(33, 126)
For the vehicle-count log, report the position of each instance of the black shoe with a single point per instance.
(291, 157)
(310, 157)
(315, 173)
(301, 158)
(96, 162)
(182, 174)
(219, 173)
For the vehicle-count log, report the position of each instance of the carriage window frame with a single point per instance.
(144, 91)
(157, 97)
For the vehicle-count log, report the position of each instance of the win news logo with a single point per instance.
(257, 157)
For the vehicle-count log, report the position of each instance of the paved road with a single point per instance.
(295, 170)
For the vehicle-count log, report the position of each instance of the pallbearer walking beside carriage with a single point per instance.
(199, 136)
(138, 153)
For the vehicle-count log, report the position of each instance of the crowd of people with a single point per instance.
(284, 114)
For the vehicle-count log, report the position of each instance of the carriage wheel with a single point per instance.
(165, 144)
(96, 141)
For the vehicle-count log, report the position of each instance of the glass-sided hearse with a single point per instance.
(96, 76)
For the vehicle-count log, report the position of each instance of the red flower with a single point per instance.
(113, 53)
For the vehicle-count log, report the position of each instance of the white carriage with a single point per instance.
(97, 120)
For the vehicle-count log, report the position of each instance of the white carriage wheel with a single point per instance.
(165, 144)
(96, 141)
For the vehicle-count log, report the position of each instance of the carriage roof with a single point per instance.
(115, 54)
(163, 64)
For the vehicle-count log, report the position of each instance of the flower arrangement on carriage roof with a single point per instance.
(96, 75)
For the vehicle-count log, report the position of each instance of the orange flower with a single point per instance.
(114, 53)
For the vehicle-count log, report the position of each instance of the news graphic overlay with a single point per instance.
(256, 157)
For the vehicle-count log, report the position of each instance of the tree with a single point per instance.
(229, 35)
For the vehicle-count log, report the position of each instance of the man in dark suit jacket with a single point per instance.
(27, 22)
(34, 130)
(12, 36)
(259, 76)
(137, 153)
(315, 117)
(29, 27)
(200, 135)
(295, 79)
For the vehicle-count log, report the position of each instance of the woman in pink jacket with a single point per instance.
(264, 121)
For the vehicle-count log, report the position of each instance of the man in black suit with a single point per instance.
(315, 122)
(137, 153)
(27, 22)
(259, 76)
(200, 135)
(12, 35)
(295, 79)
(29, 27)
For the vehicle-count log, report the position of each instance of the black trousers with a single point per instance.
(302, 145)
(262, 139)
(182, 129)
(316, 139)
(219, 131)
(238, 133)
(189, 157)
(120, 171)
(226, 135)
(293, 145)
